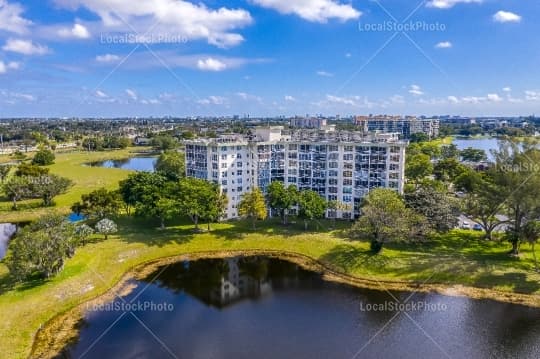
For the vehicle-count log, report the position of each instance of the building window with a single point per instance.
(347, 182)
(223, 157)
(224, 182)
(347, 199)
(348, 157)
(347, 173)
(332, 165)
(223, 165)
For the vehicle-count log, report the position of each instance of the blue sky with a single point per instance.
(269, 57)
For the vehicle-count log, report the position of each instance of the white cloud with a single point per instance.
(132, 94)
(348, 55)
(289, 98)
(453, 99)
(213, 100)
(25, 47)
(397, 99)
(493, 97)
(350, 101)
(416, 90)
(313, 10)
(248, 97)
(211, 64)
(107, 58)
(152, 101)
(5, 67)
(174, 18)
(11, 19)
(506, 16)
(447, 4)
(101, 94)
(78, 31)
(324, 73)
(507, 89)
(532, 95)
(444, 45)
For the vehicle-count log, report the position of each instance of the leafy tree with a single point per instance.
(159, 202)
(253, 206)
(99, 204)
(531, 234)
(419, 137)
(385, 218)
(16, 189)
(449, 151)
(164, 143)
(43, 157)
(440, 210)
(473, 155)
(49, 186)
(418, 167)
(83, 232)
(138, 187)
(433, 150)
(517, 174)
(92, 144)
(483, 202)
(281, 199)
(448, 170)
(25, 169)
(171, 164)
(4, 171)
(311, 206)
(42, 247)
(106, 227)
(200, 199)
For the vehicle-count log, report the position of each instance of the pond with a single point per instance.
(486, 143)
(145, 164)
(258, 307)
(7, 230)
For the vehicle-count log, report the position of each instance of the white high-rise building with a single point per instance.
(342, 166)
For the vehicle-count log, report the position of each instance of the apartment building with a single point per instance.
(405, 126)
(339, 165)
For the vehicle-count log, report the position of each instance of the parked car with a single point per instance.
(465, 225)
(477, 227)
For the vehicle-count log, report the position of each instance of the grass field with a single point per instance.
(458, 258)
(85, 179)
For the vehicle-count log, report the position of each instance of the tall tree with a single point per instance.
(138, 187)
(385, 218)
(199, 199)
(49, 186)
(171, 164)
(418, 167)
(43, 157)
(253, 206)
(41, 247)
(440, 210)
(16, 189)
(281, 199)
(99, 204)
(311, 206)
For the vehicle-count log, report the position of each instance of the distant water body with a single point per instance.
(7, 230)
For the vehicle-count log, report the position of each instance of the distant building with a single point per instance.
(341, 166)
(405, 126)
(318, 123)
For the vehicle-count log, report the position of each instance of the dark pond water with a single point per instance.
(134, 163)
(262, 308)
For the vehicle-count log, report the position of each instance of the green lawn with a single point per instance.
(459, 258)
(85, 179)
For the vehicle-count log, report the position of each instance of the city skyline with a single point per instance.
(268, 58)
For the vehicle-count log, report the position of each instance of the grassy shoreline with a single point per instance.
(99, 266)
(61, 329)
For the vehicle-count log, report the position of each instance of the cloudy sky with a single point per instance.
(269, 57)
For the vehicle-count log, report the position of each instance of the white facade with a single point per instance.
(342, 166)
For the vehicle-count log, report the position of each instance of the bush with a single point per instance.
(44, 157)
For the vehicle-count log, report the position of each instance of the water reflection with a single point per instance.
(264, 308)
(7, 230)
(145, 164)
